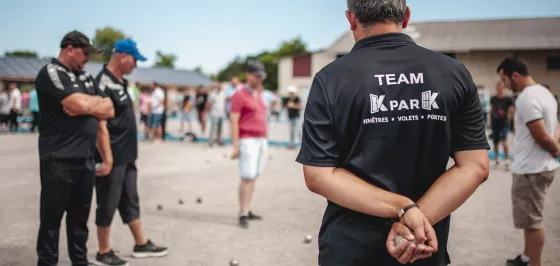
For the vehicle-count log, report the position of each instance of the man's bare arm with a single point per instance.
(456, 185)
(81, 103)
(103, 142)
(542, 137)
(234, 121)
(491, 112)
(106, 110)
(85, 104)
(347, 190)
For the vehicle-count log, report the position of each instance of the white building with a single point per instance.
(479, 45)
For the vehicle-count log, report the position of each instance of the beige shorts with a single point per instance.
(527, 194)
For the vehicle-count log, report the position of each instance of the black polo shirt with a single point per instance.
(122, 128)
(62, 136)
(392, 113)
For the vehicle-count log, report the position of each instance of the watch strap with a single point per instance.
(405, 209)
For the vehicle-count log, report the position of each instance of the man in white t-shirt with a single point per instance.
(157, 101)
(217, 102)
(15, 106)
(534, 157)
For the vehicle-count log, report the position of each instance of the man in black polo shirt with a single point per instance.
(379, 128)
(70, 107)
(118, 150)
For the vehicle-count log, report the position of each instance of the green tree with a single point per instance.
(199, 70)
(165, 60)
(22, 53)
(270, 59)
(105, 38)
(293, 47)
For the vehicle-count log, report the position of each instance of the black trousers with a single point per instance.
(66, 186)
(36, 121)
(14, 125)
(119, 191)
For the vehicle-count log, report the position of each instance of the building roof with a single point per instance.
(504, 34)
(477, 35)
(21, 68)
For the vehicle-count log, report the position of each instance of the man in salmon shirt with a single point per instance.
(249, 136)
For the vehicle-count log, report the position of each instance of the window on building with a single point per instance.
(553, 63)
(302, 66)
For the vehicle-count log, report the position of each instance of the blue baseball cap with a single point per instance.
(128, 46)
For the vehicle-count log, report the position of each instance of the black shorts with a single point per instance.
(499, 133)
(144, 119)
(119, 189)
(4, 119)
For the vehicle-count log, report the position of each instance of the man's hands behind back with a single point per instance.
(419, 242)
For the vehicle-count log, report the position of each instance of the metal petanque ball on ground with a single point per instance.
(159, 207)
(307, 239)
(181, 202)
(233, 263)
(199, 200)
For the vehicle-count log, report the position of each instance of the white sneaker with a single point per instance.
(507, 164)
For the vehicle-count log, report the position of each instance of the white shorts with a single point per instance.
(253, 153)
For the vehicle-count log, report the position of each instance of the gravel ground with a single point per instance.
(206, 233)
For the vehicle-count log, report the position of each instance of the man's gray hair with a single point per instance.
(369, 12)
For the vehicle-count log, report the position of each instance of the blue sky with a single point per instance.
(211, 33)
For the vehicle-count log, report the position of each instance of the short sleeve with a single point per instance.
(529, 109)
(511, 102)
(468, 127)
(236, 103)
(319, 145)
(56, 83)
(115, 92)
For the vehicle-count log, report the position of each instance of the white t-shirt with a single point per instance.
(533, 103)
(15, 99)
(4, 104)
(218, 104)
(157, 97)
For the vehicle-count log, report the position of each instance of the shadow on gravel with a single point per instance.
(194, 216)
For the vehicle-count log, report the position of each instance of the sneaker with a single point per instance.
(109, 259)
(253, 216)
(517, 262)
(149, 251)
(244, 221)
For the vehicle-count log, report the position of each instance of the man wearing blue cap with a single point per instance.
(117, 146)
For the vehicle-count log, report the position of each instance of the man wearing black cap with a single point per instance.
(70, 106)
(249, 136)
(116, 183)
(379, 128)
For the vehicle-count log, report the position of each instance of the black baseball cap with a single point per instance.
(79, 40)
(256, 68)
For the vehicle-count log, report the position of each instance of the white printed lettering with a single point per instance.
(394, 104)
(402, 79)
(379, 77)
(437, 117)
(416, 79)
(408, 118)
(414, 104)
(375, 120)
(403, 105)
(391, 79)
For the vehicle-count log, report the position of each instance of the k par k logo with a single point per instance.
(428, 103)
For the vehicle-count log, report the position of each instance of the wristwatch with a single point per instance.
(405, 209)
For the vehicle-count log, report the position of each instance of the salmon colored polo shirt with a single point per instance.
(252, 110)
